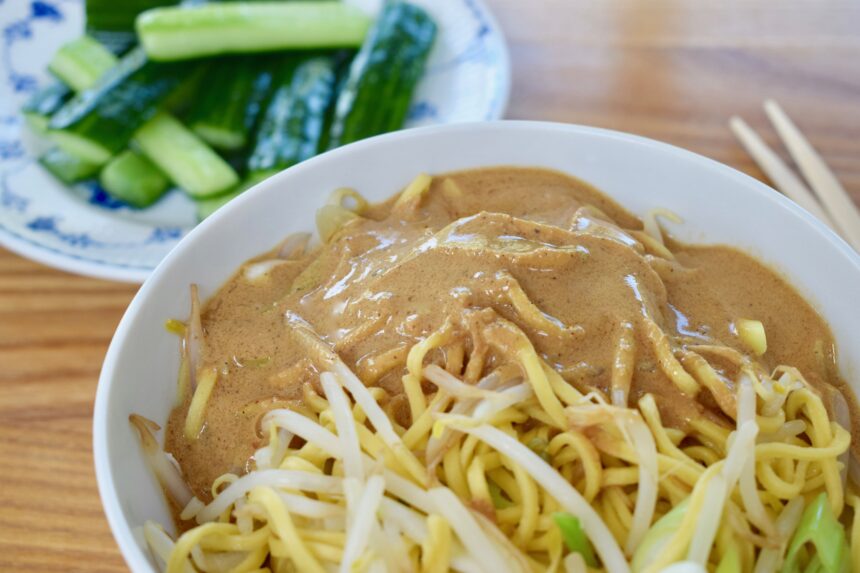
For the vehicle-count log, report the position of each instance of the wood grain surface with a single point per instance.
(674, 70)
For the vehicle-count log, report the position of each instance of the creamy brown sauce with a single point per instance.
(395, 276)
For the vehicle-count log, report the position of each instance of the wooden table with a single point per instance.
(674, 70)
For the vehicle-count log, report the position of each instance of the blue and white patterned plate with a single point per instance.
(82, 230)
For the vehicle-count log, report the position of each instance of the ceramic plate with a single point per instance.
(83, 230)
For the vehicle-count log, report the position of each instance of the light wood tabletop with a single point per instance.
(673, 70)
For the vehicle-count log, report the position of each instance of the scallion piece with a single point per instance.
(659, 536)
(574, 536)
(819, 526)
(496, 495)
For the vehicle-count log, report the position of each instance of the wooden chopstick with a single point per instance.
(777, 171)
(832, 195)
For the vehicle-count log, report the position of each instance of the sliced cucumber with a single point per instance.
(81, 62)
(42, 104)
(295, 117)
(99, 122)
(186, 96)
(184, 157)
(222, 115)
(384, 74)
(223, 28)
(133, 179)
(80, 147)
(66, 167)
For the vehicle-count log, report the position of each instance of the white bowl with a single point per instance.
(717, 203)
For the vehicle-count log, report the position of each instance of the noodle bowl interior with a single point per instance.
(503, 370)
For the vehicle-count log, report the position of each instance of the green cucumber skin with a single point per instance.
(105, 117)
(294, 122)
(67, 168)
(44, 103)
(262, 89)
(246, 27)
(383, 76)
(118, 15)
(134, 179)
(185, 97)
(221, 115)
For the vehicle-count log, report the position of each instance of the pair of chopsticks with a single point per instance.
(827, 200)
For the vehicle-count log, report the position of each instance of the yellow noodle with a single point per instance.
(508, 484)
(588, 455)
(821, 434)
(705, 374)
(414, 360)
(423, 425)
(529, 312)
(541, 386)
(371, 368)
(711, 434)
(187, 541)
(477, 480)
(653, 245)
(668, 363)
(282, 524)
(620, 476)
(831, 451)
(326, 552)
(702, 454)
(617, 499)
(234, 541)
(455, 477)
(610, 517)
(509, 516)
(529, 503)
(776, 485)
(322, 536)
(652, 417)
(568, 394)
(454, 356)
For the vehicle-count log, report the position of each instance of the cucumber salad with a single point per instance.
(213, 97)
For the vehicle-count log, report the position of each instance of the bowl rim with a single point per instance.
(120, 528)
